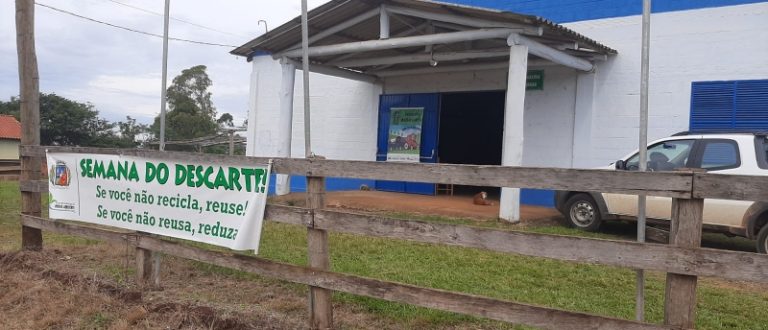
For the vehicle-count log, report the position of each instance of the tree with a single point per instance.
(190, 90)
(70, 123)
(11, 107)
(131, 131)
(191, 112)
(226, 120)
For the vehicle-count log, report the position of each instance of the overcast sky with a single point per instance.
(119, 71)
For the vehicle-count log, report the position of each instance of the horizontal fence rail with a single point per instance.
(730, 265)
(496, 309)
(664, 184)
(667, 184)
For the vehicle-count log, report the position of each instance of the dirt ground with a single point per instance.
(449, 206)
(67, 289)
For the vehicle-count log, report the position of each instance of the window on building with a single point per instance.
(737, 105)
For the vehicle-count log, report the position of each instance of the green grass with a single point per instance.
(10, 230)
(594, 289)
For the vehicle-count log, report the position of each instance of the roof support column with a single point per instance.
(383, 23)
(512, 145)
(285, 124)
(582, 120)
(253, 113)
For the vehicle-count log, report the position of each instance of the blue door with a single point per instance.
(430, 123)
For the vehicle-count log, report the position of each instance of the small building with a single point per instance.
(492, 86)
(10, 137)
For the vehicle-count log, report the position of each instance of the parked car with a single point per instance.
(721, 153)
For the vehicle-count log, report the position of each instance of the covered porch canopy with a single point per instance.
(371, 40)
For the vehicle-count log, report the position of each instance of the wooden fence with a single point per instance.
(683, 259)
(10, 169)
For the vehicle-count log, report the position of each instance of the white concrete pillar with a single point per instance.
(512, 147)
(383, 23)
(253, 96)
(285, 124)
(582, 120)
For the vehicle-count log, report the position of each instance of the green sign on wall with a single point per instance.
(534, 80)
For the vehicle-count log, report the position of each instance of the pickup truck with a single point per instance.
(722, 153)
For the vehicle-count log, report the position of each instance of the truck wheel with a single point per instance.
(582, 212)
(762, 240)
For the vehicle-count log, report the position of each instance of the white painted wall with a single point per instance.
(725, 43)
(548, 112)
(344, 116)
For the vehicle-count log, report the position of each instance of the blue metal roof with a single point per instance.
(563, 11)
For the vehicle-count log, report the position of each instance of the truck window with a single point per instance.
(761, 146)
(720, 155)
(664, 156)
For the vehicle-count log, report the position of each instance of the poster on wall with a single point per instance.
(219, 204)
(404, 144)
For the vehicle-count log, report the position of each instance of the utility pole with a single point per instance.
(642, 149)
(305, 71)
(148, 262)
(29, 88)
(165, 75)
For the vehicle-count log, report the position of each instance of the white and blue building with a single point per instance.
(708, 70)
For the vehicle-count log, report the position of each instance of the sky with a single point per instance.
(118, 71)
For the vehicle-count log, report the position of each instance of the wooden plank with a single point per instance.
(732, 265)
(667, 184)
(40, 151)
(685, 232)
(37, 186)
(658, 184)
(736, 187)
(143, 266)
(657, 235)
(29, 82)
(288, 214)
(740, 266)
(320, 305)
(66, 228)
(431, 298)
(547, 318)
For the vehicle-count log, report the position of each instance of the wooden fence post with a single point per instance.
(29, 85)
(143, 265)
(320, 306)
(685, 232)
(147, 266)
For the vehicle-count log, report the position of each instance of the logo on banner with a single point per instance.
(59, 174)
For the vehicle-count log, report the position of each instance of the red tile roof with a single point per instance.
(10, 128)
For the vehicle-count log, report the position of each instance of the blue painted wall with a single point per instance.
(537, 197)
(563, 11)
(299, 184)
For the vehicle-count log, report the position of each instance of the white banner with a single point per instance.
(204, 202)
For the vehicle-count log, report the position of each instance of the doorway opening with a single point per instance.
(471, 132)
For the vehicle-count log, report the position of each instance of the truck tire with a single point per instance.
(762, 240)
(582, 212)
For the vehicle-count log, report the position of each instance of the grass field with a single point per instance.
(577, 287)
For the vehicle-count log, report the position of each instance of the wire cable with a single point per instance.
(173, 18)
(132, 30)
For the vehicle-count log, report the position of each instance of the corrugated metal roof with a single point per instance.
(335, 12)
